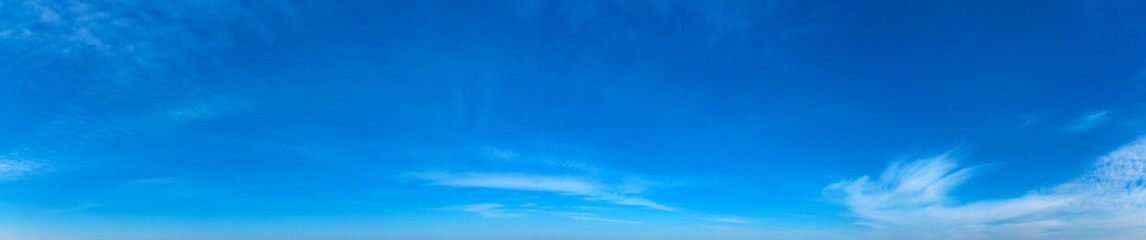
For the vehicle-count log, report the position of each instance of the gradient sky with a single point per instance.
(660, 119)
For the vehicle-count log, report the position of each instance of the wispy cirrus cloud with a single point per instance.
(729, 220)
(720, 20)
(913, 198)
(86, 205)
(490, 210)
(565, 185)
(604, 219)
(123, 65)
(497, 210)
(1089, 121)
(13, 168)
(118, 31)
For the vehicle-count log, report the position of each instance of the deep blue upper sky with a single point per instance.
(572, 119)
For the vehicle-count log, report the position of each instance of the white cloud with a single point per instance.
(720, 19)
(1089, 122)
(490, 210)
(722, 228)
(566, 185)
(76, 208)
(156, 181)
(583, 214)
(11, 169)
(604, 219)
(912, 198)
(553, 155)
(497, 210)
(729, 220)
(110, 28)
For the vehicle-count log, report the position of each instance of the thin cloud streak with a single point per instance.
(729, 220)
(914, 196)
(1089, 122)
(605, 220)
(490, 210)
(497, 210)
(11, 169)
(564, 185)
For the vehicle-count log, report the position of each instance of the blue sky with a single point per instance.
(572, 120)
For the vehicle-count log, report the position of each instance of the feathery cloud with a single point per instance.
(490, 210)
(497, 210)
(11, 169)
(1089, 122)
(565, 185)
(604, 220)
(914, 196)
(729, 220)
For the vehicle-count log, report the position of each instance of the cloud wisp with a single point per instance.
(729, 220)
(490, 210)
(604, 219)
(914, 197)
(11, 169)
(1089, 122)
(564, 185)
(497, 210)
